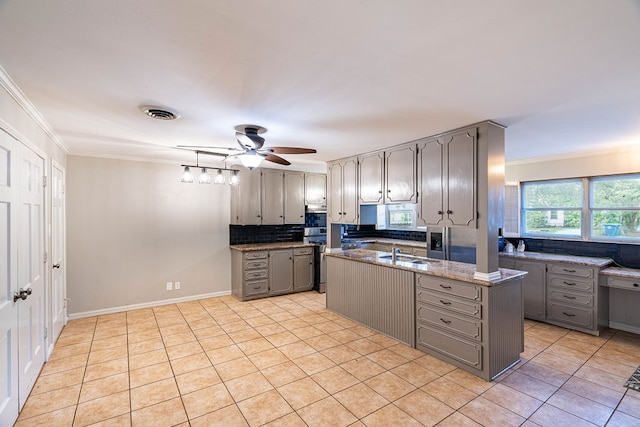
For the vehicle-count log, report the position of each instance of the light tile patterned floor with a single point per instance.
(287, 361)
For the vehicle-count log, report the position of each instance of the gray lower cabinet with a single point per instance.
(534, 286)
(376, 296)
(623, 301)
(474, 327)
(302, 269)
(259, 274)
(280, 272)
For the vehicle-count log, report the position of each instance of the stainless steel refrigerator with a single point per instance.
(452, 244)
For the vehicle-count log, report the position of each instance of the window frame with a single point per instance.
(587, 211)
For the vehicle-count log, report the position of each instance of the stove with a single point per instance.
(318, 236)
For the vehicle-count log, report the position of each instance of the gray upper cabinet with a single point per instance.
(245, 199)
(294, 198)
(371, 182)
(272, 197)
(343, 203)
(447, 177)
(315, 189)
(400, 173)
(388, 177)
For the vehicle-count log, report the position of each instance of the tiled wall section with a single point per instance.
(354, 231)
(624, 255)
(243, 234)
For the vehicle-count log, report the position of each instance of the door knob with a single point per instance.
(56, 265)
(22, 294)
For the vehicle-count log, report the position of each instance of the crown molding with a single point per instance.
(10, 86)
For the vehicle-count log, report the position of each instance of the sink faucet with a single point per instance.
(394, 253)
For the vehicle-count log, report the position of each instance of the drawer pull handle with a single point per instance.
(568, 314)
(445, 302)
(569, 283)
(256, 287)
(446, 322)
(635, 285)
(445, 287)
(568, 270)
(568, 297)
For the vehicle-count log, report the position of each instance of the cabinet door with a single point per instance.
(430, 170)
(302, 272)
(533, 288)
(272, 197)
(460, 178)
(349, 192)
(245, 199)
(371, 182)
(334, 207)
(280, 271)
(315, 189)
(401, 175)
(294, 198)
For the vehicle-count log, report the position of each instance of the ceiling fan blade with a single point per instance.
(209, 149)
(275, 159)
(291, 150)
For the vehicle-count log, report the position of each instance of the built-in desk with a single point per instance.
(623, 288)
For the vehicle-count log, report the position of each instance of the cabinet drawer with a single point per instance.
(582, 317)
(585, 300)
(451, 304)
(571, 283)
(256, 287)
(256, 264)
(255, 255)
(462, 290)
(572, 270)
(466, 327)
(454, 347)
(303, 251)
(624, 283)
(256, 274)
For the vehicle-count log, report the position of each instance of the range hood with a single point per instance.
(316, 208)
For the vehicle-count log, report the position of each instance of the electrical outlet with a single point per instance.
(176, 285)
(169, 286)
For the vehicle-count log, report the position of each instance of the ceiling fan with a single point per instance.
(252, 151)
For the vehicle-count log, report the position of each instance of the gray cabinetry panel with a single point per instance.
(572, 270)
(533, 289)
(280, 272)
(450, 287)
(572, 283)
(570, 315)
(467, 327)
(315, 189)
(258, 287)
(294, 198)
(371, 178)
(452, 304)
(560, 296)
(456, 348)
(302, 271)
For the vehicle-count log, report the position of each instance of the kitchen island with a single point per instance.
(436, 306)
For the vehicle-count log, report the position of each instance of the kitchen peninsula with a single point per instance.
(436, 306)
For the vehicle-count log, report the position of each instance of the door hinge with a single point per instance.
(46, 256)
(44, 181)
(46, 333)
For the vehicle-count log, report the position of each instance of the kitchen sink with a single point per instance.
(411, 259)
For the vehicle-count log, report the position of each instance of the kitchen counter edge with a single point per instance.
(250, 247)
(569, 259)
(445, 269)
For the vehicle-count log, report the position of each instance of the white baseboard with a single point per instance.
(122, 308)
(623, 327)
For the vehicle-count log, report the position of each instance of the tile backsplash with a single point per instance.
(244, 234)
(625, 255)
(353, 231)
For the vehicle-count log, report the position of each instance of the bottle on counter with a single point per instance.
(520, 246)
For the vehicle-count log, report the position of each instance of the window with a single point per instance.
(397, 217)
(552, 208)
(615, 207)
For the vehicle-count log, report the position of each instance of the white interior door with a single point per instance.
(58, 305)
(31, 272)
(9, 196)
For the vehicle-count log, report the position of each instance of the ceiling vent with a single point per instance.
(159, 112)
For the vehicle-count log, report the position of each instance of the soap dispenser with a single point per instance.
(520, 246)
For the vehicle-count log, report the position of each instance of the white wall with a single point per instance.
(620, 161)
(133, 226)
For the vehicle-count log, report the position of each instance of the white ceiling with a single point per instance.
(341, 76)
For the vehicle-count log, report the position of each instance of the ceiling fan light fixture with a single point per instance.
(186, 175)
(234, 180)
(250, 159)
(204, 178)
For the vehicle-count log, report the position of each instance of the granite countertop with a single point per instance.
(268, 246)
(629, 273)
(570, 259)
(447, 269)
(414, 243)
